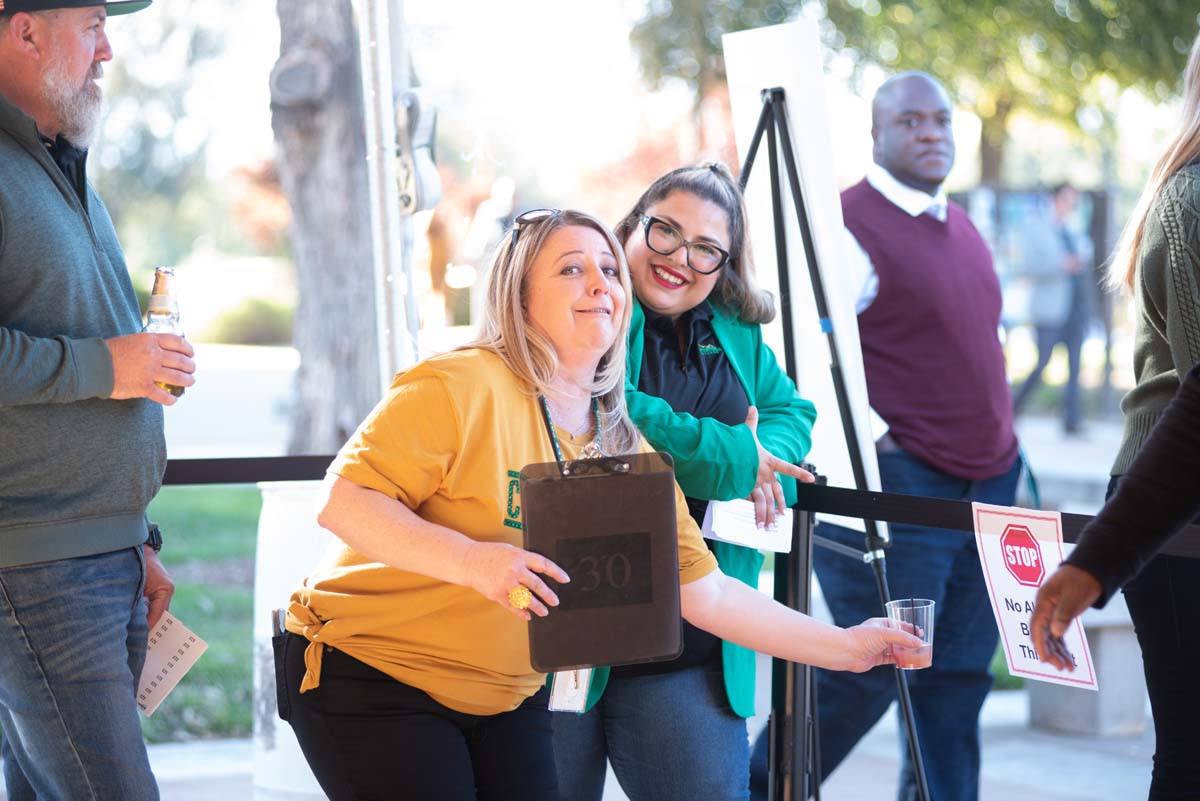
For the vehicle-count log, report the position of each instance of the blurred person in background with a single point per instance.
(1057, 260)
(704, 387)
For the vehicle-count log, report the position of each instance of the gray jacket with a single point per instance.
(1041, 264)
(76, 470)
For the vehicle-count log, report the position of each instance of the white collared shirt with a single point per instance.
(913, 202)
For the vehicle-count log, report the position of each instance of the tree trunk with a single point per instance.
(993, 136)
(317, 117)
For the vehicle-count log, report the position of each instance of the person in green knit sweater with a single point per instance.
(702, 386)
(1158, 259)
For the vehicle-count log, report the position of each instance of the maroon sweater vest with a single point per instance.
(935, 369)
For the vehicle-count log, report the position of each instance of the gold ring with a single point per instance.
(520, 596)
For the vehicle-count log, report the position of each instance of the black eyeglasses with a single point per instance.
(703, 257)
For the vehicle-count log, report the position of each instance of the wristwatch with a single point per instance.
(154, 537)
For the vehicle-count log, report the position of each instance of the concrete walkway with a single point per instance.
(1018, 762)
(1072, 471)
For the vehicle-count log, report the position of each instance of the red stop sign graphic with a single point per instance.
(1022, 555)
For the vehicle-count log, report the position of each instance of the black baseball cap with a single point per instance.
(112, 8)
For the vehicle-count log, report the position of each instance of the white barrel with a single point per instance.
(289, 544)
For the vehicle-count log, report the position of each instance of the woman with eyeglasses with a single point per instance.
(406, 671)
(704, 387)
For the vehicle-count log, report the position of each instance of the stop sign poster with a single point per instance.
(1018, 549)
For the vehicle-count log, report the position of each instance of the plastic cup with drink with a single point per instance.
(914, 615)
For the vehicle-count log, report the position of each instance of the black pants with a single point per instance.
(1164, 604)
(367, 737)
(1071, 334)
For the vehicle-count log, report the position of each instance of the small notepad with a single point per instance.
(733, 521)
(171, 652)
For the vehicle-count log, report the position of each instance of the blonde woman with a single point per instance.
(406, 670)
(1158, 260)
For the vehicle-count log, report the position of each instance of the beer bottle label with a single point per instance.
(162, 303)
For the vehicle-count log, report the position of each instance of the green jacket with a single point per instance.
(720, 462)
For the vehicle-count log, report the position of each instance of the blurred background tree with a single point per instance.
(150, 163)
(317, 117)
(1061, 59)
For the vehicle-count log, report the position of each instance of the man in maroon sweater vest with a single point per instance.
(928, 316)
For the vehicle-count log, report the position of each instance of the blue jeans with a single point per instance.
(670, 737)
(921, 563)
(72, 641)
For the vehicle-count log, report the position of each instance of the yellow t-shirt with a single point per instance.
(448, 441)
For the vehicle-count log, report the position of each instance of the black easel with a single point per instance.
(790, 723)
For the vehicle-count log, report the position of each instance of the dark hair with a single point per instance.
(1060, 187)
(712, 181)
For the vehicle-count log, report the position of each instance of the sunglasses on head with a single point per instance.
(523, 220)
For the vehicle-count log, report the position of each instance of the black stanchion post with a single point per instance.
(791, 763)
(781, 725)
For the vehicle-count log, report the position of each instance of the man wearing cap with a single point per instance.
(81, 442)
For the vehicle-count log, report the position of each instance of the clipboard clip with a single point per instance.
(604, 465)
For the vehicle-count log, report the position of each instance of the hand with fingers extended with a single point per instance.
(495, 569)
(144, 362)
(871, 644)
(1061, 598)
(767, 495)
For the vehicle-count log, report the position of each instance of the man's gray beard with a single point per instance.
(77, 108)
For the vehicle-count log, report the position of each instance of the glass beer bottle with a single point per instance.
(162, 314)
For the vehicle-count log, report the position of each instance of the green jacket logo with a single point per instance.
(710, 350)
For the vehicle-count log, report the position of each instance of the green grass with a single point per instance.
(209, 539)
(207, 523)
(1004, 679)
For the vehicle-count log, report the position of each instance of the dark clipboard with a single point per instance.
(610, 523)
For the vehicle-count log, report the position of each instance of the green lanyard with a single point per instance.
(558, 454)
